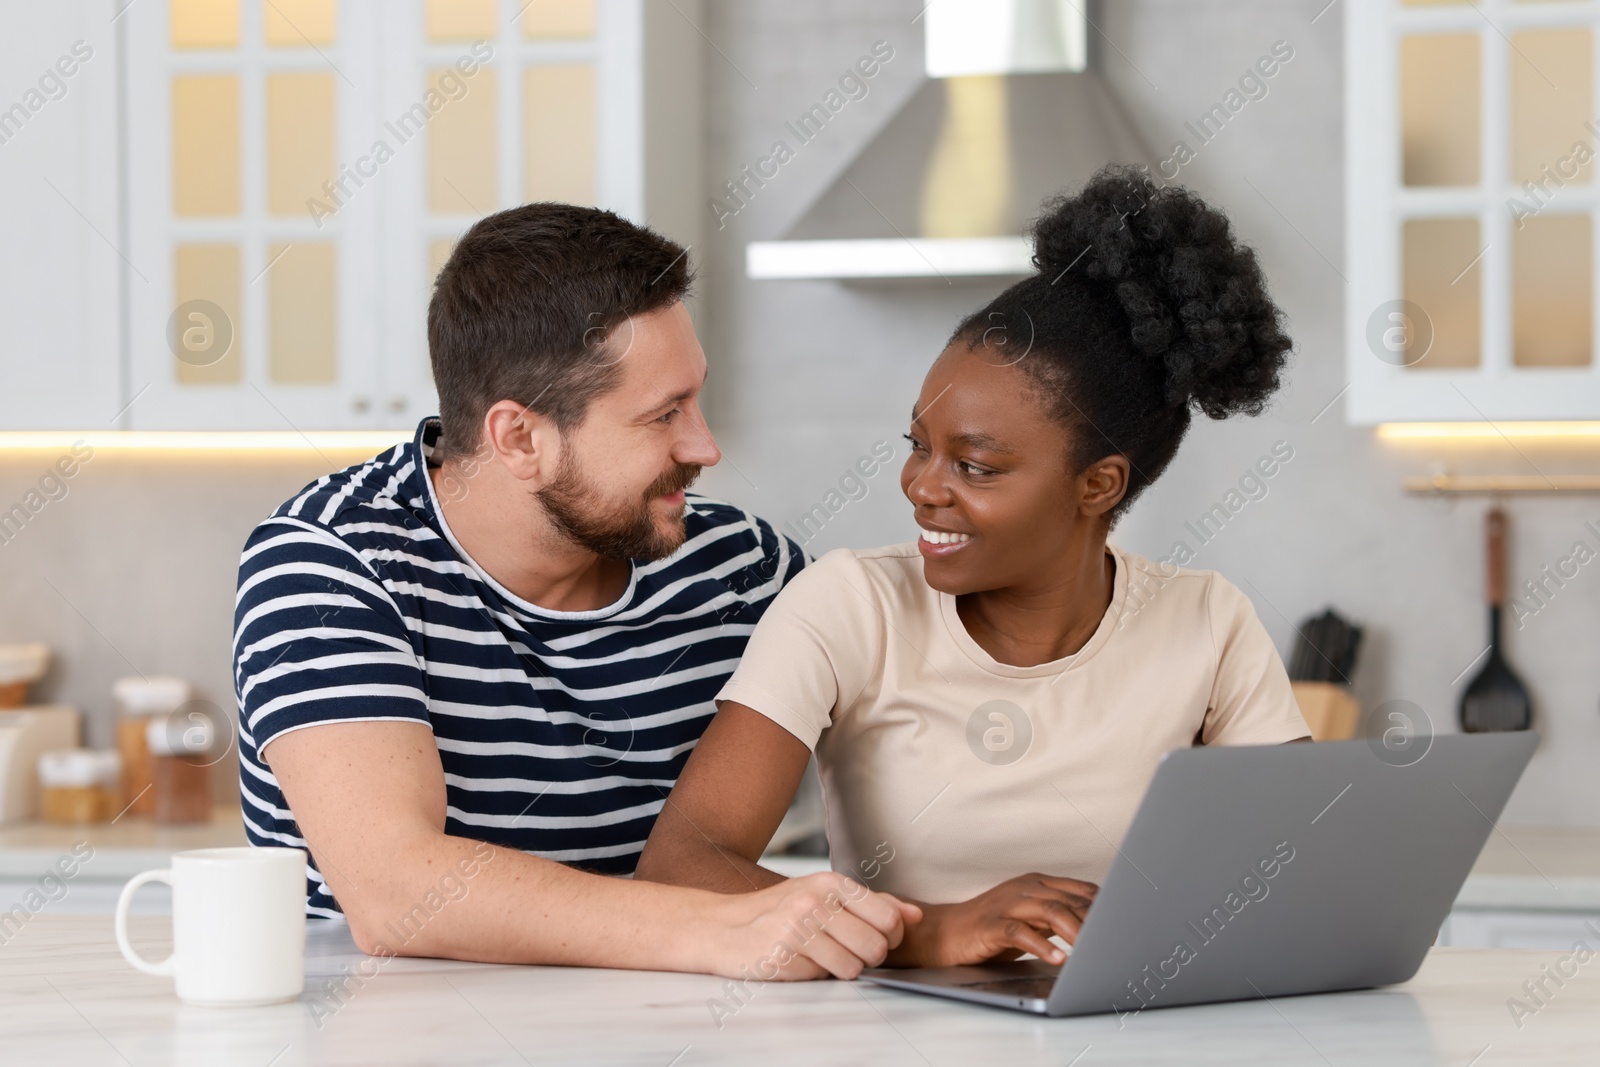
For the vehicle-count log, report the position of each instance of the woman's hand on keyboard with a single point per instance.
(1017, 916)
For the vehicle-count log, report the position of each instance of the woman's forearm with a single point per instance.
(919, 948)
(727, 804)
(677, 854)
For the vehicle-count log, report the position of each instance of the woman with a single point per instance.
(988, 704)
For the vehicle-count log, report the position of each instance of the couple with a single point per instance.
(486, 671)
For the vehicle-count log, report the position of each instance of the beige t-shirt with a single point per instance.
(945, 771)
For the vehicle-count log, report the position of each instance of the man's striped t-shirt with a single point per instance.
(560, 732)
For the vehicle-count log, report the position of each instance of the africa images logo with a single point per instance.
(999, 732)
(1252, 888)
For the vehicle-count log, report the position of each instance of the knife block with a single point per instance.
(1329, 709)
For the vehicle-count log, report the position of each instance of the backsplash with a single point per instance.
(131, 569)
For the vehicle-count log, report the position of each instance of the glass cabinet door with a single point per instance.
(247, 201)
(300, 169)
(1471, 135)
(490, 105)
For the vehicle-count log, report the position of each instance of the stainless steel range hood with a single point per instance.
(1012, 112)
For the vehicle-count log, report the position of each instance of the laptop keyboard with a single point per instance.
(1031, 988)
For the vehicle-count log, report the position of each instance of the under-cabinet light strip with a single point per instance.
(1420, 431)
(204, 441)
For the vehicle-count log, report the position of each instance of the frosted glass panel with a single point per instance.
(211, 273)
(546, 19)
(302, 320)
(463, 145)
(300, 23)
(1439, 109)
(204, 23)
(301, 114)
(205, 145)
(1551, 284)
(465, 20)
(1443, 274)
(438, 254)
(1552, 87)
(558, 148)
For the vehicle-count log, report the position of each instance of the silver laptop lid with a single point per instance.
(1306, 868)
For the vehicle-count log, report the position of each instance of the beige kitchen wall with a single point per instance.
(135, 567)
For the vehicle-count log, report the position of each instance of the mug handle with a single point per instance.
(162, 969)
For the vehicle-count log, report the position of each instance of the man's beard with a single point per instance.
(577, 510)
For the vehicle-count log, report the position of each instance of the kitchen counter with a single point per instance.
(1522, 867)
(1536, 867)
(121, 849)
(72, 1000)
(1529, 868)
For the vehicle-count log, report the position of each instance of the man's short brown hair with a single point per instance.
(526, 303)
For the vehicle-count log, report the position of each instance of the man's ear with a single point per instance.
(524, 442)
(1103, 485)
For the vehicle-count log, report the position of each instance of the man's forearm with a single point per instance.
(371, 802)
(454, 898)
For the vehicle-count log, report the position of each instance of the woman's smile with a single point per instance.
(941, 544)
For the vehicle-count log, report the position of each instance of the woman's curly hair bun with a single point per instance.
(1194, 297)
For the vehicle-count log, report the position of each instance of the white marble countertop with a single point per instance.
(69, 999)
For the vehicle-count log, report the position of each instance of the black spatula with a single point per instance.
(1496, 699)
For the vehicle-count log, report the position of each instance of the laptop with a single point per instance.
(1267, 871)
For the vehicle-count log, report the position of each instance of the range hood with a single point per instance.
(1013, 111)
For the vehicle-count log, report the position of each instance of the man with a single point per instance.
(509, 633)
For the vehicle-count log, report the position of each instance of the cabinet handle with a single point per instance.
(360, 405)
(397, 404)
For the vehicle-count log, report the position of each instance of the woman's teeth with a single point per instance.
(939, 537)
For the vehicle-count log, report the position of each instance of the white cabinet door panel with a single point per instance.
(1545, 930)
(265, 244)
(59, 358)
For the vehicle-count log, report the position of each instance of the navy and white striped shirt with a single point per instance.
(560, 732)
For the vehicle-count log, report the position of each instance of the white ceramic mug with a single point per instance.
(238, 925)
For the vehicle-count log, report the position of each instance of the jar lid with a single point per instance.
(23, 663)
(79, 767)
(150, 696)
(179, 735)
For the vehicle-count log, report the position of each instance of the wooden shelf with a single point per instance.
(1490, 484)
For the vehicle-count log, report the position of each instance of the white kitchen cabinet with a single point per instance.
(1533, 887)
(633, 65)
(59, 265)
(249, 312)
(250, 257)
(1470, 207)
(1513, 928)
